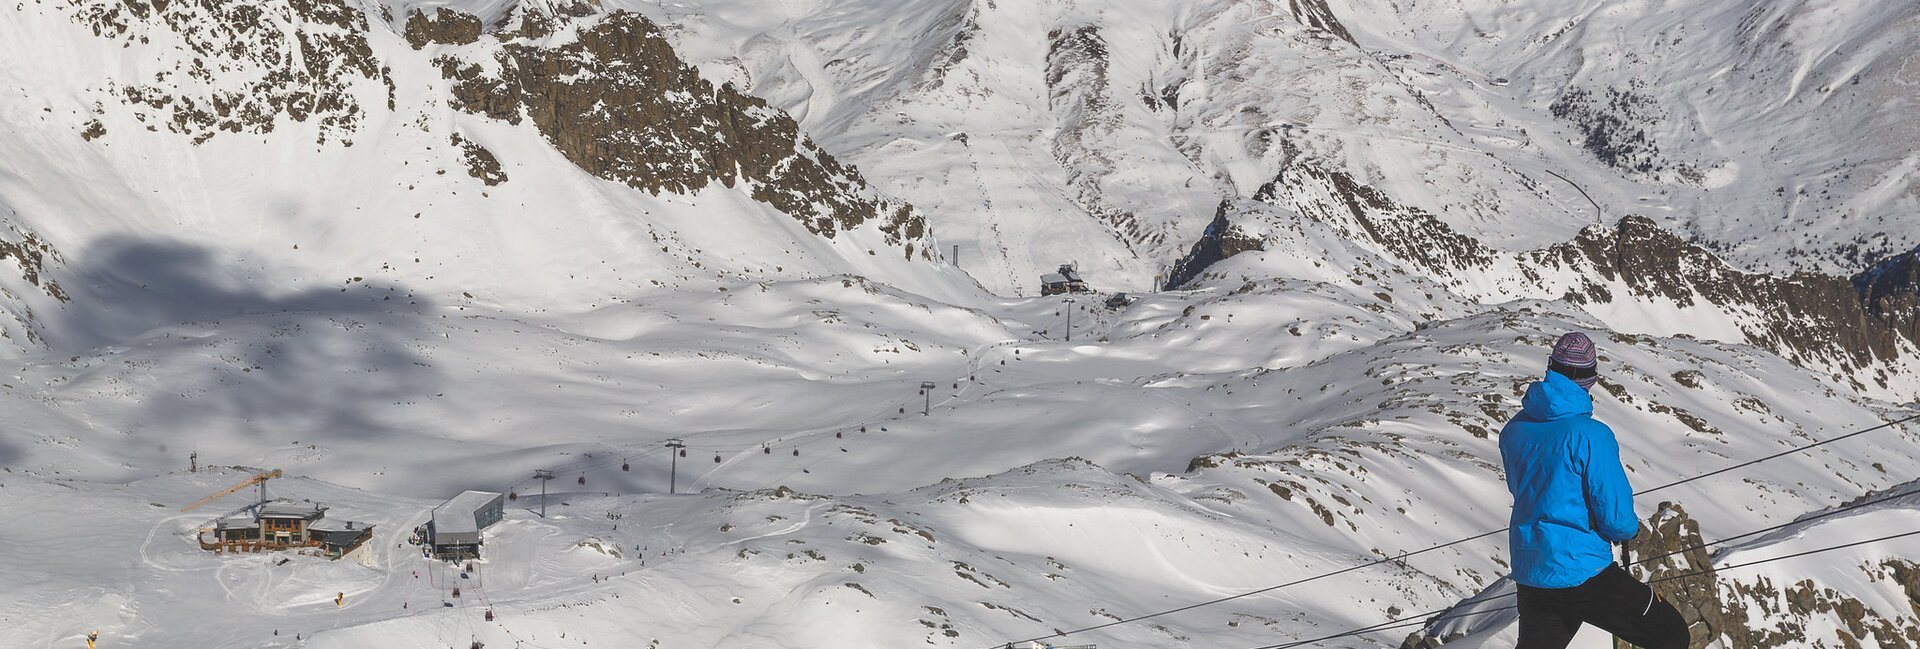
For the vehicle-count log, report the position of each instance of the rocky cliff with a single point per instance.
(1806, 317)
(617, 101)
(1891, 291)
(1862, 330)
(1756, 612)
(241, 67)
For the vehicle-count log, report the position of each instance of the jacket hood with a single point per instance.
(1555, 397)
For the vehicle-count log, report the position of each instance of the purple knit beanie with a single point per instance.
(1575, 351)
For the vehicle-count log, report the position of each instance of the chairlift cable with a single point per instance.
(1421, 619)
(1399, 557)
(1790, 451)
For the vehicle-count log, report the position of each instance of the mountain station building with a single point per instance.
(454, 531)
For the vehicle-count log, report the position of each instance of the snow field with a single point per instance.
(1370, 433)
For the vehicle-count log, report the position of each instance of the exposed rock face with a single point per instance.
(1891, 290)
(240, 66)
(1614, 125)
(1804, 316)
(1222, 240)
(620, 104)
(1786, 611)
(31, 254)
(35, 258)
(1853, 328)
(444, 26)
(1363, 213)
(966, 28)
(1611, 126)
(1316, 14)
(480, 162)
(1755, 613)
(616, 101)
(1669, 555)
(1080, 93)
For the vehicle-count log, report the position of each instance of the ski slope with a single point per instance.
(1374, 428)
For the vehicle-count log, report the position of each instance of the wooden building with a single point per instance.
(1066, 279)
(283, 524)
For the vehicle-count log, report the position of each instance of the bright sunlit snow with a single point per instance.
(890, 449)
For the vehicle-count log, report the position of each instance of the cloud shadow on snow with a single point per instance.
(250, 361)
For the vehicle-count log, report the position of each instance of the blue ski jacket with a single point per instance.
(1570, 494)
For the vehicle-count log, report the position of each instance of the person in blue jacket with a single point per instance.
(1571, 503)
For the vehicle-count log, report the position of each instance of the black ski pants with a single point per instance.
(1612, 600)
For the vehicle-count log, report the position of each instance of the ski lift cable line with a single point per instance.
(1780, 454)
(802, 438)
(1804, 519)
(1421, 619)
(799, 438)
(1650, 559)
(1448, 544)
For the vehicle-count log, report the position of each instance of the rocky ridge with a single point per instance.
(617, 102)
(1806, 317)
(1730, 608)
(241, 67)
(1860, 330)
(1755, 612)
(1891, 290)
(34, 257)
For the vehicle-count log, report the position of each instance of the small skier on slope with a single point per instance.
(1571, 502)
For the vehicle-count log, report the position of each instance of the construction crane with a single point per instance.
(258, 478)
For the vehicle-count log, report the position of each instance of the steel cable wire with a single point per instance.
(1402, 556)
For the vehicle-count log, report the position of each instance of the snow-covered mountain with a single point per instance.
(287, 149)
(399, 249)
(1771, 132)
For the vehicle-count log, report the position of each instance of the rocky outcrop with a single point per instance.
(480, 162)
(618, 102)
(1363, 213)
(1729, 609)
(447, 26)
(1804, 317)
(1854, 328)
(1221, 240)
(1670, 555)
(32, 254)
(241, 66)
(1754, 612)
(1316, 14)
(1891, 291)
(967, 27)
(1783, 613)
(1080, 94)
(1613, 126)
(35, 259)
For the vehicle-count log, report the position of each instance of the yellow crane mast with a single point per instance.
(258, 479)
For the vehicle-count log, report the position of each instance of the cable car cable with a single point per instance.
(1399, 557)
(1422, 618)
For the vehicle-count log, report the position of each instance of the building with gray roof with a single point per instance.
(454, 531)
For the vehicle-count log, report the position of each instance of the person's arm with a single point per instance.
(1609, 497)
